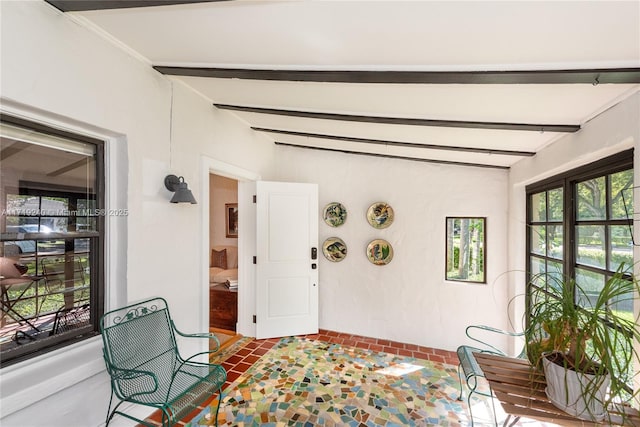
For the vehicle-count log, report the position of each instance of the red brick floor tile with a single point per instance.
(233, 360)
(244, 352)
(261, 351)
(405, 352)
(253, 344)
(421, 355)
(436, 358)
(349, 341)
(362, 345)
(233, 375)
(242, 366)
(376, 347)
(252, 358)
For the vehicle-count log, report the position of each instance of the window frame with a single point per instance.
(568, 182)
(97, 247)
(451, 250)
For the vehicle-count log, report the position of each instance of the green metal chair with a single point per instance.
(469, 369)
(146, 368)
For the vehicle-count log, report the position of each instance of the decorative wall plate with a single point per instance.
(380, 215)
(334, 249)
(380, 252)
(335, 214)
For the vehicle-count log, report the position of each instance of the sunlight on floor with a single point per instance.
(399, 369)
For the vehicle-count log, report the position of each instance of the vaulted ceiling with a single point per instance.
(478, 83)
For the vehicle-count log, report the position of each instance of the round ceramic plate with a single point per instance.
(334, 249)
(335, 214)
(380, 215)
(380, 252)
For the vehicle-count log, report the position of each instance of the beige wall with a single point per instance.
(222, 190)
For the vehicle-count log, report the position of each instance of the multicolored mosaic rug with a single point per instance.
(302, 382)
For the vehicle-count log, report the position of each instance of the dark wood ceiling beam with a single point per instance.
(71, 166)
(404, 121)
(83, 5)
(584, 76)
(391, 156)
(13, 149)
(397, 143)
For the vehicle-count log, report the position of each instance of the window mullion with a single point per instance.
(569, 225)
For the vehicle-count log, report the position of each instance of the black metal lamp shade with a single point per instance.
(182, 194)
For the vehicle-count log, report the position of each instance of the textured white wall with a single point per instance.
(407, 300)
(57, 71)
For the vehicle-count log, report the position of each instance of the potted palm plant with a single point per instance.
(586, 345)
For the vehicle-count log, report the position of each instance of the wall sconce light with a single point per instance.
(180, 188)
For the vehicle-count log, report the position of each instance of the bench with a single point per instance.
(146, 368)
(470, 370)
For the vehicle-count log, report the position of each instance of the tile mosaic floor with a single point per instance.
(330, 379)
(306, 382)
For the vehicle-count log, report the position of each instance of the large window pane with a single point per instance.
(591, 284)
(556, 204)
(538, 266)
(591, 199)
(623, 304)
(538, 207)
(51, 293)
(22, 205)
(590, 245)
(620, 247)
(622, 195)
(556, 270)
(554, 241)
(538, 239)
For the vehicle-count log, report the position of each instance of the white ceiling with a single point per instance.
(394, 36)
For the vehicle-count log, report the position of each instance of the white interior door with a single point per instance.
(286, 264)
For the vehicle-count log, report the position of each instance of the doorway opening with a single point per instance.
(223, 253)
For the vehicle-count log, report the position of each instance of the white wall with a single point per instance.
(55, 70)
(407, 300)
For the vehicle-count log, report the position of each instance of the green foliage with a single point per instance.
(593, 336)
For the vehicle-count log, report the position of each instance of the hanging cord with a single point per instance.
(171, 129)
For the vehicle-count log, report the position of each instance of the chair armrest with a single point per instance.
(198, 335)
(472, 329)
(125, 375)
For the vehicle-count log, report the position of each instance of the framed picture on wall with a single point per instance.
(231, 214)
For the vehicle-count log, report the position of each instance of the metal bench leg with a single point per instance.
(493, 407)
(471, 391)
(507, 424)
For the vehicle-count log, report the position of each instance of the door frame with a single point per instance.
(246, 242)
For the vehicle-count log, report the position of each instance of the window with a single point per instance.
(579, 226)
(51, 238)
(465, 259)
